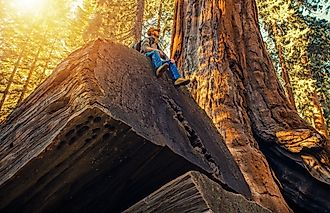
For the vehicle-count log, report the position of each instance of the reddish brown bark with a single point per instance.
(219, 46)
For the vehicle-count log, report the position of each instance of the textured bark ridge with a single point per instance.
(194, 193)
(219, 46)
(103, 132)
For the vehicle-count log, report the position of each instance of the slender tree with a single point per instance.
(47, 61)
(138, 20)
(319, 56)
(11, 78)
(31, 70)
(284, 69)
(160, 13)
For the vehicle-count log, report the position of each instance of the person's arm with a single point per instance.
(165, 57)
(146, 46)
(162, 54)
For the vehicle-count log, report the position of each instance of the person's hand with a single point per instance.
(161, 53)
(172, 60)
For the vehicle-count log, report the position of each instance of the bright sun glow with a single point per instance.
(29, 6)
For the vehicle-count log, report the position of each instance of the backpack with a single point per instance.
(137, 45)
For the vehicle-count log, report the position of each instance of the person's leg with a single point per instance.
(159, 65)
(174, 72)
(156, 61)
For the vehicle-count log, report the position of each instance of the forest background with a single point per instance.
(35, 35)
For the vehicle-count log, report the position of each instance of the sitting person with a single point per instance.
(160, 62)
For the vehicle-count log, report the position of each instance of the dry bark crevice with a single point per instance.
(194, 140)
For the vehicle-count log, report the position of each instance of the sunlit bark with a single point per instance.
(219, 46)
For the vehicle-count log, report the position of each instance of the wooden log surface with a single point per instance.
(194, 192)
(101, 133)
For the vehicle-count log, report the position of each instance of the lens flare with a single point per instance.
(29, 6)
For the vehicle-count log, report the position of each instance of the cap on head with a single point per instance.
(152, 29)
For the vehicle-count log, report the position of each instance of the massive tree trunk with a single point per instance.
(219, 46)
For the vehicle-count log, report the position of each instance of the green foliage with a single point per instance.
(33, 41)
(304, 42)
(166, 20)
(314, 7)
(115, 20)
(319, 51)
(26, 40)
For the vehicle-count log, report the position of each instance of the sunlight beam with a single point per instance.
(29, 6)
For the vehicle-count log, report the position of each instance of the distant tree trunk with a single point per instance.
(160, 13)
(11, 78)
(318, 117)
(27, 82)
(325, 106)
(218, 44)
(285, 74)
(139, 20)
(45, 66)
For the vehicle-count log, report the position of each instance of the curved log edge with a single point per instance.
(193, 192)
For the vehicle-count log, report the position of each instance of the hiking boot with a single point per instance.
(181, 82)
(160, 70)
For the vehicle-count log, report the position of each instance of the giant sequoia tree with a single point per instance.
(219, 45)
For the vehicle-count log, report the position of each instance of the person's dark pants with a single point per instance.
(157, 61)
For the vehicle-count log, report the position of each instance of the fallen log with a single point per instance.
(101, 133)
